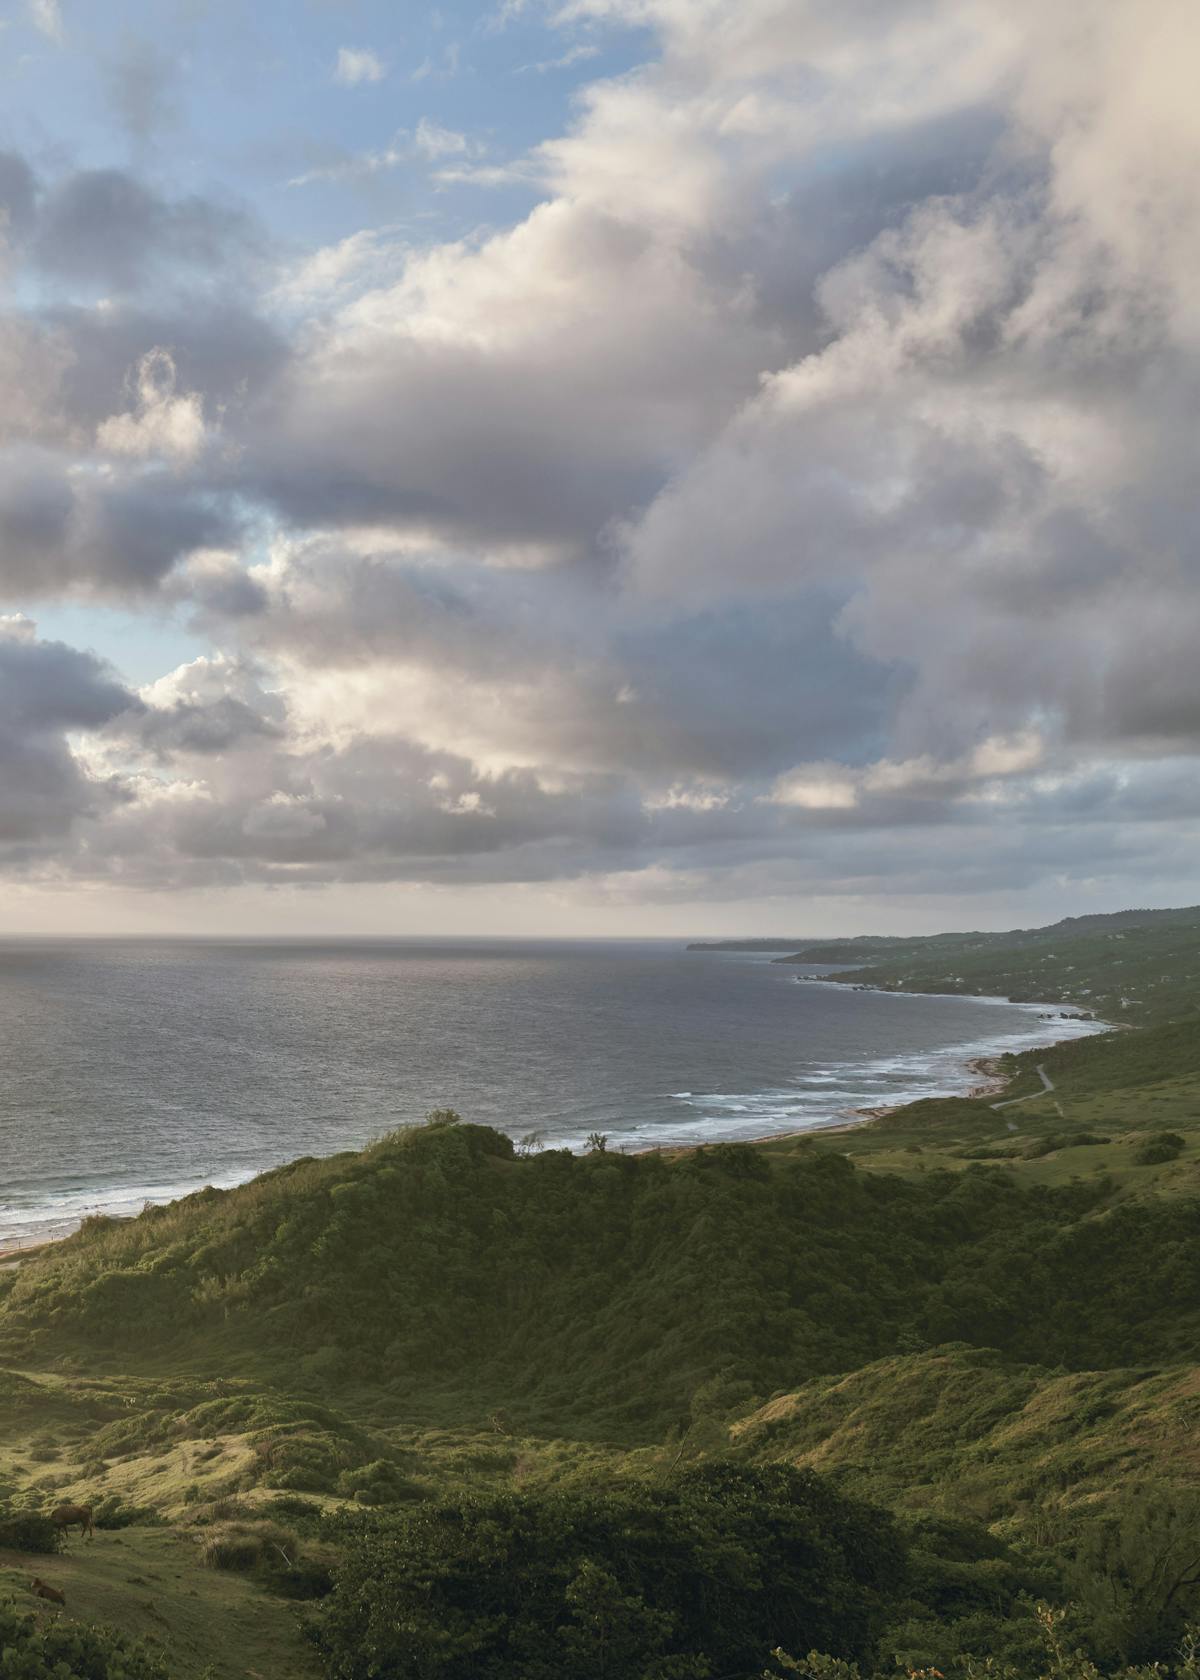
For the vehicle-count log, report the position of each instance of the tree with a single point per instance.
(1136, 1570)
(635, 1583)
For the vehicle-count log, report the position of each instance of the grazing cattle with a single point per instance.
(65, 1517)
(43, 1589)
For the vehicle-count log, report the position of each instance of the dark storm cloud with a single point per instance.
(46, 690)
(49, 686)
(71, 534)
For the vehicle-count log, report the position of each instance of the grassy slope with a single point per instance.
(244, 1289)
(964, 1432)
(146, 1581)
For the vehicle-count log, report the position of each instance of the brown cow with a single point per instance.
(43, 1589)
(65, 1517)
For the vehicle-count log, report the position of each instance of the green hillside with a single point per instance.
(461, 1278)
(559, 1381)
(1137, 965)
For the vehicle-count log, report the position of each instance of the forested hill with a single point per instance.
(600, 1293)
(1137, 965)
(857, 947)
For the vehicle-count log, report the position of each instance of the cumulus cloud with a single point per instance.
(798, 499)
(49, 692)
(163, 423)
(71, 533)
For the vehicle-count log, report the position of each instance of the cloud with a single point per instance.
(95, 534)
(47, 17)
(49, 692)
(334, 274)
(162, 423)
(18, 198)
(578, 54)
(429, 141)
(104, 226)
(797, 499)
(356, 65)
(210, 705)
(142, 88)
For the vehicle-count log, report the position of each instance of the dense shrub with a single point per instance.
(1157, 1148)
(1053, 1653)
(65, 1650)
(565, 1289)
(113, 1512)
(379, 1483)
(1059, 1140)
(28, 1531)
(704, 1577)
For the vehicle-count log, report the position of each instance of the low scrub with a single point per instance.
(28, 1531)
(65, 1650)
(247, 1545)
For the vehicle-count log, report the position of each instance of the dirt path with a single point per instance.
(1047, 1085)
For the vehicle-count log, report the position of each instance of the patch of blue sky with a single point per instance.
(243, 100)
(141, 645)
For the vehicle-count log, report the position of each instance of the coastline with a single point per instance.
(993, 1081)
(990, 1080)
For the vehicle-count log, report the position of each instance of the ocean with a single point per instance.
(135, 1071)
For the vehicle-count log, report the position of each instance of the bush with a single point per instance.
(306, 1579)
(304, 1462)
(379, 1483)
(1159, 1147)
(303, 1510)
(29, 1531)
(65, 1650)
(700, 1578)
(112, 1512)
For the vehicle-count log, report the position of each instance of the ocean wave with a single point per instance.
(57, 1213)
(851, 1086)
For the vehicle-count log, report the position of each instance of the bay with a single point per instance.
(134, 1071)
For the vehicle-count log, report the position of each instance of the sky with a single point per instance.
(597, 466)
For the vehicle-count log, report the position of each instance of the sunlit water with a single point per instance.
(135, 1071)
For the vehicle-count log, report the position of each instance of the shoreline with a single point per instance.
(14, 1251)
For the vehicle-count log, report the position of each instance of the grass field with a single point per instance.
(148, 1581)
